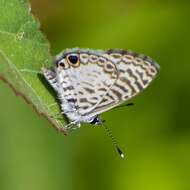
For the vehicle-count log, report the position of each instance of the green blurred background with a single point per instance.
(155, 133)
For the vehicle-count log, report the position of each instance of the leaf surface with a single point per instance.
(23, 48)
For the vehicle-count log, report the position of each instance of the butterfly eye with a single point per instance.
(73, 60)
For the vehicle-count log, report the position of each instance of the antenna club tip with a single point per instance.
(122, 156)
(120, 152)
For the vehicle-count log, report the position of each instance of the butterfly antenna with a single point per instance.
(114, 141)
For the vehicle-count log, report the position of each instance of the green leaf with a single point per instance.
(23, 49)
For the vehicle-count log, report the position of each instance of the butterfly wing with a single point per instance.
(102, 80)
(135, 73)
(86, 84)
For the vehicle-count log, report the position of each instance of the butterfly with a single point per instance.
(90, 82)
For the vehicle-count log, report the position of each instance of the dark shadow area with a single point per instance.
(48, 87)
(53, 93)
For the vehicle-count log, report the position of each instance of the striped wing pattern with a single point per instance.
(135, 73)
(86, 85)
(100, 80)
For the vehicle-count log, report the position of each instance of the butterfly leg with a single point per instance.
(57, 116)
(72, 126)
